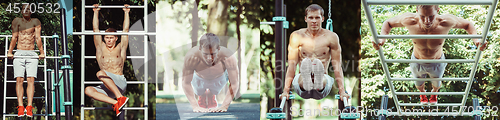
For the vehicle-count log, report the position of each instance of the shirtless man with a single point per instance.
(314, 47)
(207, 69)
(25, 32)
(110, 57)
(428, 21)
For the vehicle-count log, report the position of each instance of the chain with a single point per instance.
(329, 8)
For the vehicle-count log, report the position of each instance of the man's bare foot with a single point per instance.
(200, 109)
(219, 109)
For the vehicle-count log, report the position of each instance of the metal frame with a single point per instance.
(44, 78)
(145, 33)
(376, 36)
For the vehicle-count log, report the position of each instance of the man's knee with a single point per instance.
(101, 73)
(31, 79)
(20, 79)
(90, 90)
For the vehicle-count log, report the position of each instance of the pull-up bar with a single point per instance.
(429, 2)
(112, 33)
(114, 6)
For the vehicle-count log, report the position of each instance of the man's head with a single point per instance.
(314, 16)
(427, 15)
(209, 47)
(26, 11)
(110, 40)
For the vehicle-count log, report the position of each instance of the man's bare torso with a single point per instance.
(110, 60)
(428, 48)
(315, 47)
(26, 34)
(208, 72)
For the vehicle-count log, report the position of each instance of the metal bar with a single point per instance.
(438, 104)
(15, 115)
(110, 108)
(429, 61)
(112, 33)
(34, 57)
(114, 6)
(267, 23)
(15, 98)
(146, 59)
(5, 77)
(10, 81)
(429, 2)
(32, 50)
(11, 36)
(429, 79)
(118, 31)
(45, 77)
(486, 28)
(430, 93)
(82, 63)
(93, 57)
(278, 39)
(128, 82)
(66, 81)
(380, 51)
(429, 113)
(429, 36)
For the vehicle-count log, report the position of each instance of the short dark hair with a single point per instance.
(314, 7)
(428, 6)
(111, 30)
(209, 40)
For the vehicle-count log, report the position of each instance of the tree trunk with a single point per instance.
(217, 19)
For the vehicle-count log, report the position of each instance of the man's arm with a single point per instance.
(232, 69)
(293, 59)
(126, 24)
(336, 55)
(190, 61)
(387, 26)
(38, 38)
(469, 27)
(15, 32)
(95, 26)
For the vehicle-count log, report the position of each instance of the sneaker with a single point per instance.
(212, 101)
(423, 99)
(433, 99)
(20, 111)
(202, 100)
(123, 101)
(116, 107)
(29, 111)
(305, 73)
(319, 70)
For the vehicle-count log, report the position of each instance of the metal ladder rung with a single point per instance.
(128, 82)
(429, 2)
(438, 104)
(38, 65)
(15, 115)
(12, 81)
(429, 79)
(429, 93)
(429, 61)
(15, 98)
(110, 108)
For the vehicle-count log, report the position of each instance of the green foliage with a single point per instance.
(485, 85)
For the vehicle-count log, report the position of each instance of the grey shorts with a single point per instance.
(200, 85)
(433, 70)
(120, 82)
(25, 64)
(315, 94)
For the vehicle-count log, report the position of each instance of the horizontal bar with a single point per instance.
(127, 57)
(430, 113)
(110, 108)
(429, 2)
(429, 79)
(13, 65)
(118, 31)
(429, 61)
(112, 33)
(13, 81)
(429, 93)
(15, 98)
(3, 36)
(438, 104)
(15, 115)
(428, 36)
(33, 50)
(267, 23)
(48, 57)
(114, 6)
(128, 82)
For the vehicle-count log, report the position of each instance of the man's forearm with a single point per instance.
(233, 86)
(188, 90)
(12, 44)
(95, 21)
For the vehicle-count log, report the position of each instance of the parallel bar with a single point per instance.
(430, 93)
(429, 61)
(109, 108)
(429, 36)
(267, 23)
(429, 79)
(438, 104)
(128, 82)
(86, 57)
(114, 6)
(429, 2)
(108, 33)
(15, 98)
(430, 113)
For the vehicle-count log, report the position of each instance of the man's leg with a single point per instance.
(19, 90)
(305, 74)
(109, 83)
(319, 70)
(92, 92)
(30, 90)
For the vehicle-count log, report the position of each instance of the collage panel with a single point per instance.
(116, 61)
(207, 63)
(35, 44)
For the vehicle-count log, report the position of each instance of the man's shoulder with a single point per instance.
(16, 20)
(300, 31)
(192, 55)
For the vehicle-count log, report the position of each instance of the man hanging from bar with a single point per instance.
(25, 32)
(425, 22)
(207, 69)
(313, 48)
(110, 56)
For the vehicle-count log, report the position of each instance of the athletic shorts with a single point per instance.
(433, 70)
(25, 64)
(315, 94)
(200, 85)
(120, 82)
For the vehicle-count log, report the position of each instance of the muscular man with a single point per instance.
(207, 69)
(427, 21)
(25, 32)
(314, 47)
(110, 57)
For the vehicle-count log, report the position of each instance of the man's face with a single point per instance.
(26, 11)
(427, 16)
(314, 20)
(209, 55)
(110, 40)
